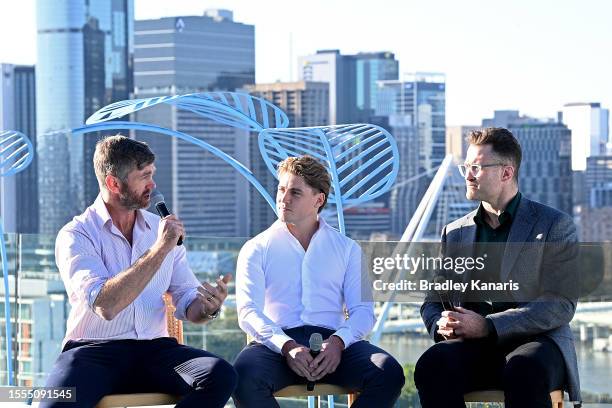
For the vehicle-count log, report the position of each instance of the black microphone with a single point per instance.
(157, 199)
(315, 342)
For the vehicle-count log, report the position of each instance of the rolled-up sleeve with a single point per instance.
(250, 298)
(361, 314)
(183, 284)
(80, 265)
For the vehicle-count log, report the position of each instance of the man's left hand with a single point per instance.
(212, 297)
(328, 359)
(466, 323)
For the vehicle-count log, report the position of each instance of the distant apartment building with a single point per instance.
(416, 108)
(545, 174)
(589, 124)
(187, 54)
(84, 62)
(19, 193)
(306, 103)
(352, 81)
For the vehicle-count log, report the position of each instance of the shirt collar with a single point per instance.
(99, 207)
(506, 216)
(278, 224)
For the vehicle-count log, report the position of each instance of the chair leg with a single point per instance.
(351, 399)
(330, 401)
(311, 402)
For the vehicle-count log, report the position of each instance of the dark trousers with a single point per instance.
(527, 372)
(99, 368)
(370, 370)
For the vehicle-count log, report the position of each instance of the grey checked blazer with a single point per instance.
(534, 222)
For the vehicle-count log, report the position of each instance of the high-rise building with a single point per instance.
(19, 193)
(456, 143)
(416, 107)
(588, 123)
(598, 181)
(595, 214)
(306, 104)
(370, 68)
(84, 62)
(545, 174)
(180, 55)
(352, 81)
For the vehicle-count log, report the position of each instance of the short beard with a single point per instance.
(129, 200)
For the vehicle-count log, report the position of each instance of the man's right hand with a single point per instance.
(169, 231)
(298, 358)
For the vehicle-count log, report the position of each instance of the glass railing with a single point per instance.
(40, 307)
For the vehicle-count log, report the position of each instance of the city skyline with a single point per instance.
(532, 57)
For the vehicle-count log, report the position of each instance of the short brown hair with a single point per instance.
(313, 172)
(503, 143)
(118, 156)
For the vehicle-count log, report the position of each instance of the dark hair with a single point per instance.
(118, 156)
(503, 143)
(313, 172)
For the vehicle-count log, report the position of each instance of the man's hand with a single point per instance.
(328, 359)
(464, 323)
(298, 359)
(444, 329)
(169, 230)
(209, 299)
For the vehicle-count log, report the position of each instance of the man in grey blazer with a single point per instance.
(523, 345)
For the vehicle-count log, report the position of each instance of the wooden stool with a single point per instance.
(319, 390)
(498, 396)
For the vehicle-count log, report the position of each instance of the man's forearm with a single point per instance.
(121, 290)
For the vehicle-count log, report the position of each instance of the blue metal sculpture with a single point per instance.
(16, 153)
(362, 159)
(234, 109)
(238, 110)
(158, 129)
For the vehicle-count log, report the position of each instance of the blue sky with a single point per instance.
(531, 55)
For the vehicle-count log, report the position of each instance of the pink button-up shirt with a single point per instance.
(90, 250)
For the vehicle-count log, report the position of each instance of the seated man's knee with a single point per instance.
(392, 373)
(432, 362)
(207, 372)
(524, 371)
(248, 374)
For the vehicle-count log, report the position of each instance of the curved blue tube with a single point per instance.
(210, 148)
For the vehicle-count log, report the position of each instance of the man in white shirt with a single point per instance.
(297, 278)
(117, 260)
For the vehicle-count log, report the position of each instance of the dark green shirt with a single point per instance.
(485, 233)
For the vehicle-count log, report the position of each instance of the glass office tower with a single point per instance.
(84, 63)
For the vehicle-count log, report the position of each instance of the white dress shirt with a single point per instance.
(90, 250)
(281, 286)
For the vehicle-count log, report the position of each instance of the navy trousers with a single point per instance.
(526, 370)
(370, 370)
(99, 368)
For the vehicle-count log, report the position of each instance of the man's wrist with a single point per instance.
(213, 315)
(338, 340)
(289, 345)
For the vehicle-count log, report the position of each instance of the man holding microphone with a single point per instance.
(117, 261)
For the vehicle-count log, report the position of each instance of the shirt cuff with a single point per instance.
(491, 329)
(277, 341)
(93, 291)
(183, 303)
(345, 334)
